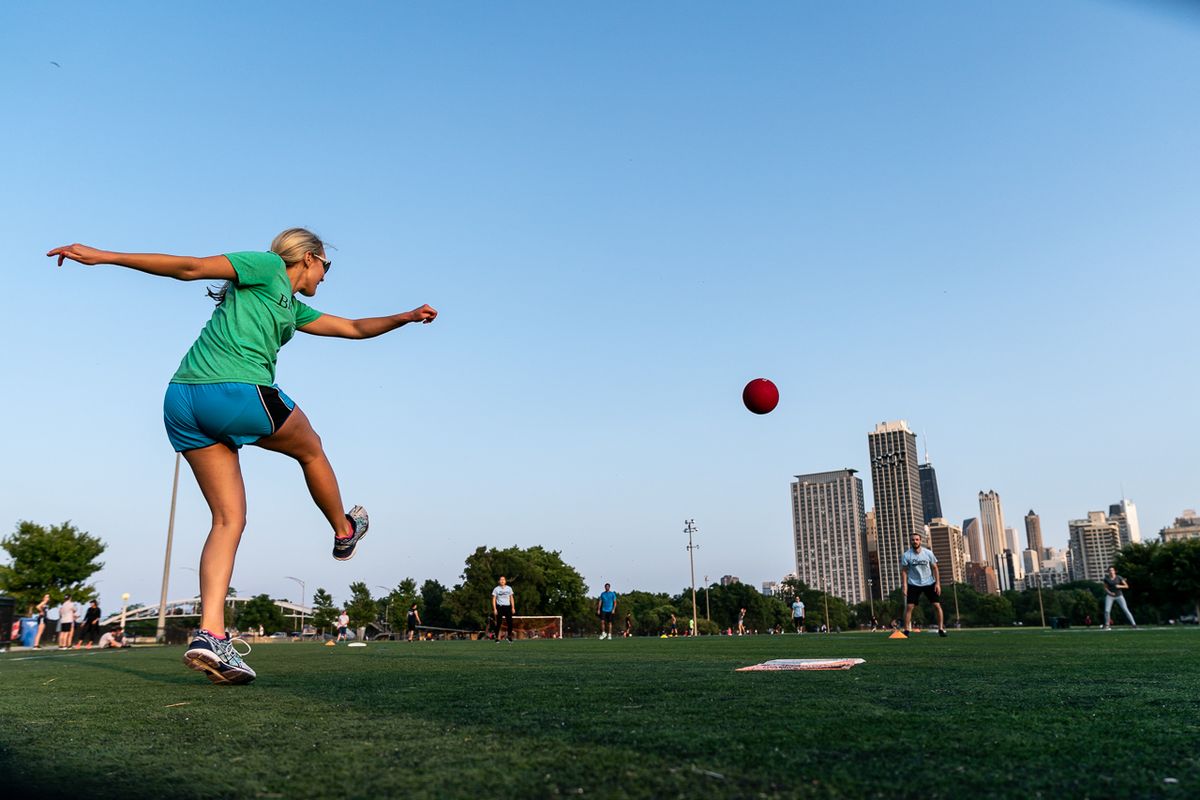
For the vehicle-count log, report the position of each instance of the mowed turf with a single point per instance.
(981, 714)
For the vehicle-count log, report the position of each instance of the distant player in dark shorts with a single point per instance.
(504, 604)
(919, 573)
(414, 619)
(606, 609)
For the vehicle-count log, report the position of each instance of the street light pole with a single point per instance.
(124, 602)
(387, 614)
(689, 528)
(161, 633)
(707, 618)
(1037, 576)
(871, 596)
(303, 594)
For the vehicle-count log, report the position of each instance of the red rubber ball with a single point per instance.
(760, 396)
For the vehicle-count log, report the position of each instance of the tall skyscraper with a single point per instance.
(1033, 532)
(970, 528)
(931, 503)
(827, 520)
(896, 484)
(871, 536)
(1094, 542)
(1124, 514)
(991, 519)
(946, 542)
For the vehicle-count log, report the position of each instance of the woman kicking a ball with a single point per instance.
(224, 396)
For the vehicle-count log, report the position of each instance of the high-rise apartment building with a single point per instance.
(1094, 542)
(931, 503)
(970, 529)
(982, 578)
(1033, 532)
(946, 542)
(896, 484)
(1124, 514)
(827, 520)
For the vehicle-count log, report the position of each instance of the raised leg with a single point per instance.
(296, 438)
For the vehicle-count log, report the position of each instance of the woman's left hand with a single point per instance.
(425, 314)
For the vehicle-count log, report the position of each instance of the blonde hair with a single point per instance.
(290, 245)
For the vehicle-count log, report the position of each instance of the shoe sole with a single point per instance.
(199, 660)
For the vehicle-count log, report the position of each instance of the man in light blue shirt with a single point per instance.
(606, 608)
(798, 614)
(919, 572)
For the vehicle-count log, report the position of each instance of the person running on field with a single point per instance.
(503, 607)
(741, 630)
(90, 629)
(674, 626)
(414, 619)
(606, 609)
(919, 572)
(628, 626)
(66, 623)
(798, 615)
(1113, 584)
(224, 396)
(343, 627)
(43, 617)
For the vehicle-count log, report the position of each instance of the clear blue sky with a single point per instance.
(981, 218)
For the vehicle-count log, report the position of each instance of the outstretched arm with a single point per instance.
(368, 327)
(184, 268)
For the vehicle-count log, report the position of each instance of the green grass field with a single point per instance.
(981, 714)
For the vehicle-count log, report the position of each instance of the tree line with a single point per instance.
(1164, 582)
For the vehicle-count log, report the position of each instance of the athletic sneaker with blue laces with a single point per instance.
(218, 659)
(343, 549)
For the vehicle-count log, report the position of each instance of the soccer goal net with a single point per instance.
(537, 627)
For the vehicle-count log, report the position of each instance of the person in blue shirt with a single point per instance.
(606, 609)
(919, 572)
(798, 615)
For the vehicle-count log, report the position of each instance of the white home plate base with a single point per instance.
(785, 664)
(358, 644)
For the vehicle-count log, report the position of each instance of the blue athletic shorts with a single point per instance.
(233, 414)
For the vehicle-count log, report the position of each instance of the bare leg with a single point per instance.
(941, 620)
(296, 438)
(219, 474)
(908, 616)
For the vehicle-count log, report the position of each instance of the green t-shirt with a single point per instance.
(242, 338)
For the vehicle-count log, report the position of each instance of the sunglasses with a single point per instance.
(324, 262)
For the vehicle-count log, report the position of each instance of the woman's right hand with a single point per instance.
(78, 252)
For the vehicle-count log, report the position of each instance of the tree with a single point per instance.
(361, 609)
(394, 607)
(324, 613)
(55, 560)
(261, 610)
(433, 599)
(543, 584)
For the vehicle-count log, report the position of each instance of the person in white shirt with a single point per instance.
(343, 626)
(503, 607)
(66, 622)
(113, 639)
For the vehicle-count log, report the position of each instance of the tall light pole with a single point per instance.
(1037, 576)
(689, 527)
(124, 602)
(706, 616)
(387, 614)
(871, 596)
(303, 594)
(957, 616)
(161, 634)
